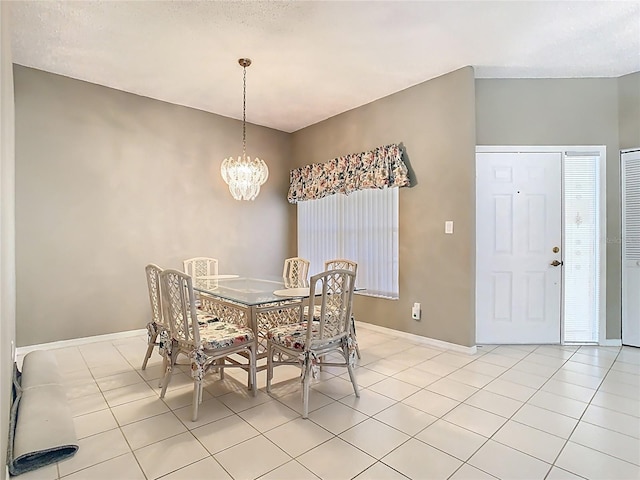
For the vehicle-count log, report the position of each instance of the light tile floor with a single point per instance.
(507, 412)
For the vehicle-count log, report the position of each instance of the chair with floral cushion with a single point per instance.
(202, 269)
(352, 266)
(295, 272)
(307, 344)
(158, 332)
(157, 328)
(203, 338)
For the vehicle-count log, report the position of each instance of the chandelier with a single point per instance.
(243, 175)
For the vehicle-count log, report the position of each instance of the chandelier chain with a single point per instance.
(244, 112)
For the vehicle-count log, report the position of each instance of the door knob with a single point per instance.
(556, 263)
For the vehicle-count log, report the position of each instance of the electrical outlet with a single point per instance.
(415, 311)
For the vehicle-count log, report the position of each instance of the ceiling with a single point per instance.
(315, 59)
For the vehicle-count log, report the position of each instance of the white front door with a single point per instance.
(630, 168)
(518, 236)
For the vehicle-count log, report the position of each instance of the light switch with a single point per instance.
(448, 226)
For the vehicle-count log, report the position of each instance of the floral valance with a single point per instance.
(379, 168)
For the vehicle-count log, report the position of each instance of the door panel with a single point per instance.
(519, 222)
(630, 248)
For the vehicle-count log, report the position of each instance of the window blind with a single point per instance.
(582, 248)
(361, 226)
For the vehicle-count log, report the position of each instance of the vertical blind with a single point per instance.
(582, 248)
(361, 226)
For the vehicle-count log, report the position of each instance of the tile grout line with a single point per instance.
(409, 367)
(583, 413)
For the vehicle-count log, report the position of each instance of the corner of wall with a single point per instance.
(7, 226)
(629, 111)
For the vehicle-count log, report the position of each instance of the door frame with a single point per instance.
(601, 150)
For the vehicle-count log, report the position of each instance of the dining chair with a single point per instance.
(352, 266)
(341, 263)
(157, 328)
(207, 341)
(295, 272)
(308, 343)
(199, 267)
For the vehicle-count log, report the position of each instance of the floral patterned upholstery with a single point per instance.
(291, 336)
(217, 334)
(205, 318)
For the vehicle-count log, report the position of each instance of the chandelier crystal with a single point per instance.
(243, 175)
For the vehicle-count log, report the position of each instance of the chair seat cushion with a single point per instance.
(222, 335)
(291, 336)
(205, 317)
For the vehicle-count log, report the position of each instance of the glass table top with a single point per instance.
(247, 290)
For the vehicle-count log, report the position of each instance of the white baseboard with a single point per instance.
(74, 342)
(610, 342)
(20, 351)
(432, 342)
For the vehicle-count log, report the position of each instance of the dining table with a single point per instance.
(256, 302)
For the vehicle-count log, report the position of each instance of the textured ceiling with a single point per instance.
(313, 60)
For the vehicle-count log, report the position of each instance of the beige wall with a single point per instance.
(104, 180)
(435, 123)
(561, 112)
(107, 182)
(7, 227)
(629, 107)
